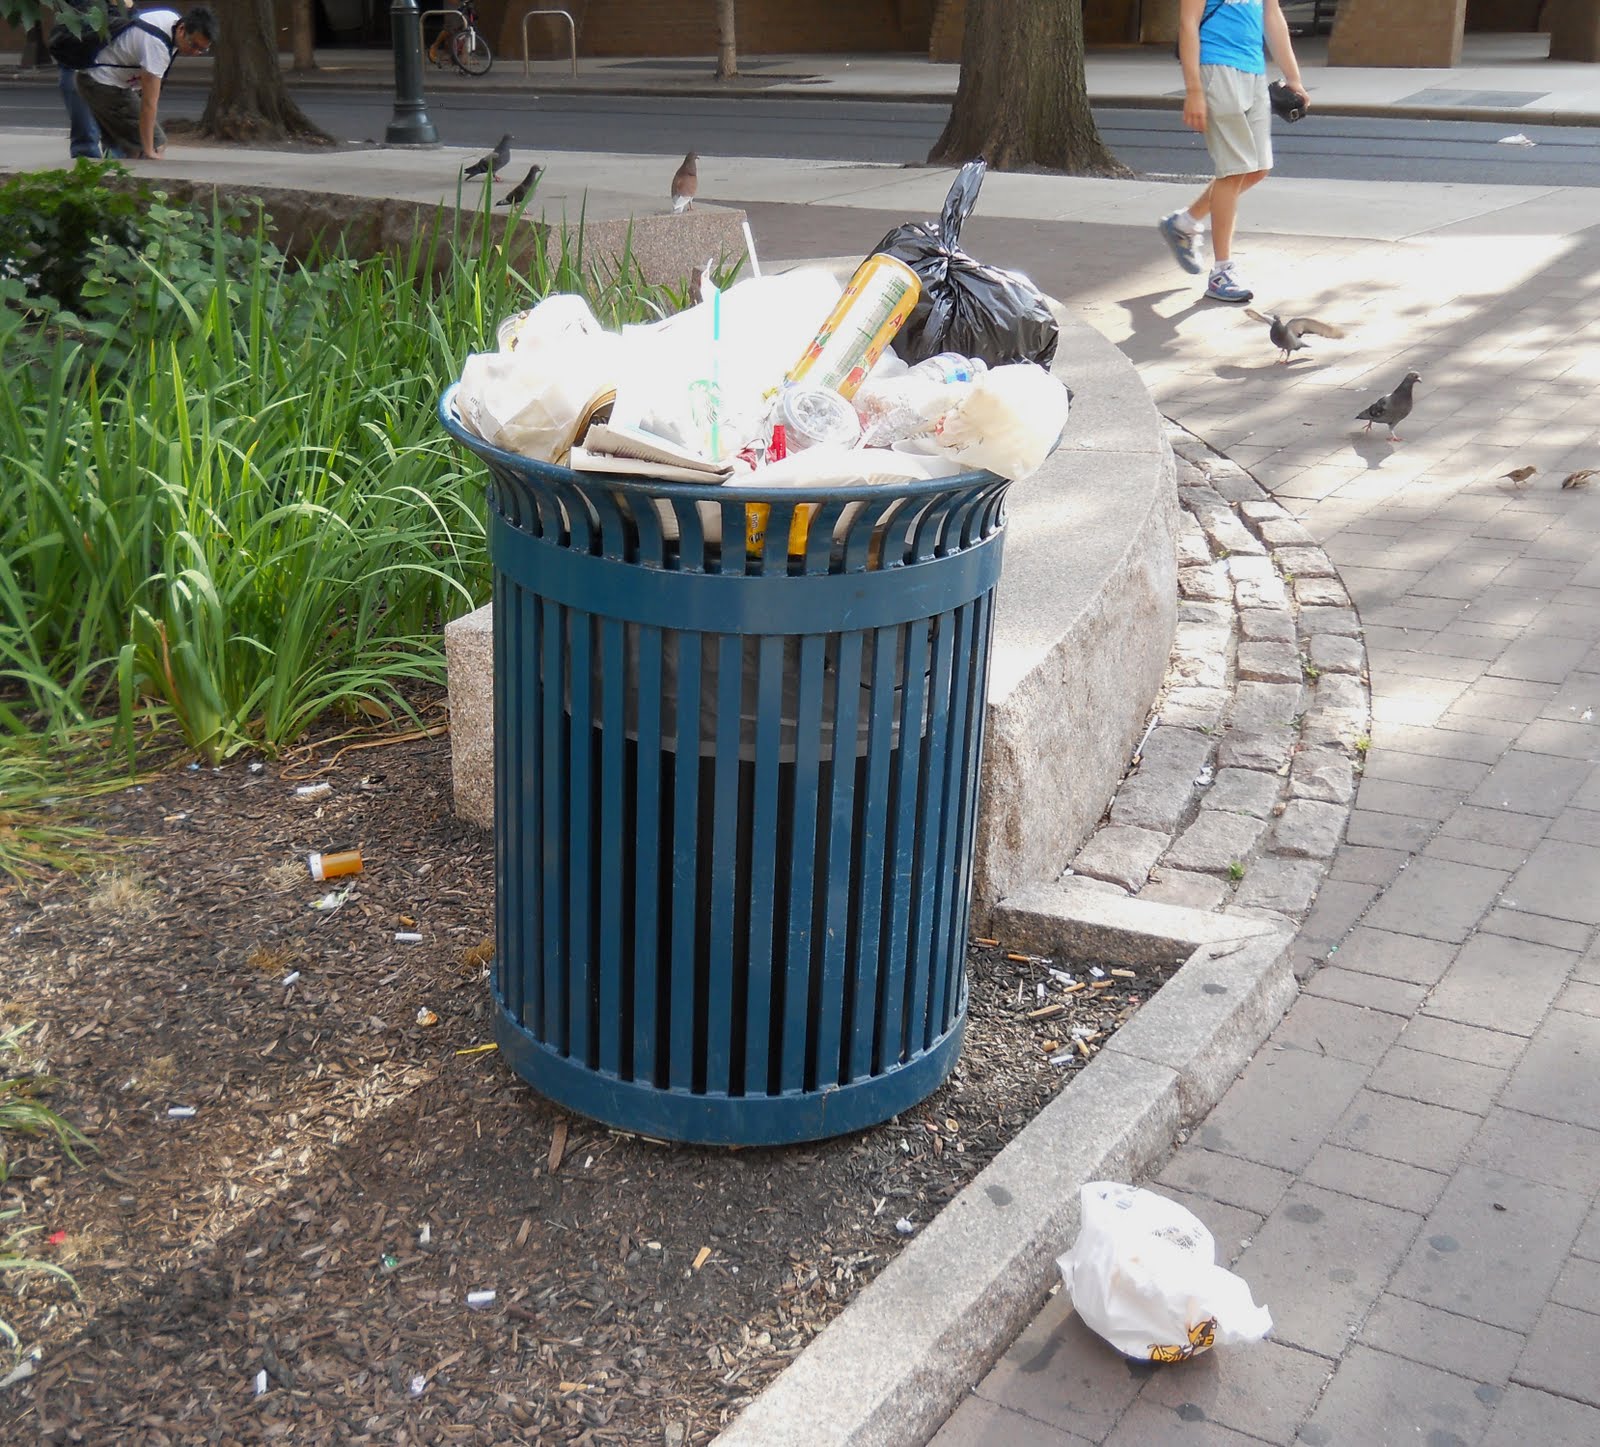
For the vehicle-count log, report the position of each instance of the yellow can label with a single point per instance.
(876, 302)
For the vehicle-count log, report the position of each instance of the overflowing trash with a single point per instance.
(925, 364)
(1143, 1274)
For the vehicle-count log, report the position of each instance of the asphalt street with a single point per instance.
(1152, 142)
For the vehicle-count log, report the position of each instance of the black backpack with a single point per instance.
(96, 28)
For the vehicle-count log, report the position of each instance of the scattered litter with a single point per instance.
(22, 1371)
(1587, 716)
(1061, 1057)
(477, 1300)
(194, 768)
(478, 1049)
(1061, 977)
(426, 1018)
(257, 767)
(1143, 1274)
(332, 900)
(425, 1235)
(701, 1256)
(180, 1112)
(407, 937)
(291, 977)
(390, 1261)
(1097, 972)
(319, 790)
(1205, 778)
(56, 1238)
(334, 863)
(1038, 990)
(905, 1226)
(261, 1382)
(1517, 140)
(558, 1146)
(419, 1383)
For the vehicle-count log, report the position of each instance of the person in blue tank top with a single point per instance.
(1220, 46)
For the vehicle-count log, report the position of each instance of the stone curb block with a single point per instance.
(899, 1359)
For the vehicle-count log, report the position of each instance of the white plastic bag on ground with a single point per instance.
(1143, 1274)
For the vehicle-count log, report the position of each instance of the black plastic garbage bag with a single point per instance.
(965, 306)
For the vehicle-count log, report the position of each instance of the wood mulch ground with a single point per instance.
(295, 1259)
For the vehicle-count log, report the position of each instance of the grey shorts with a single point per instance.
(1238, 120)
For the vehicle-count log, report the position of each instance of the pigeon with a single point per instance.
(1286, 335)
(519, 193)
(685, 183)
(1580, 478)
(490, 164)
(1393, 409)
(1518, 476)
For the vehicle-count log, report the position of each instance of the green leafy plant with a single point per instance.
(1236, 871)
(53, 224)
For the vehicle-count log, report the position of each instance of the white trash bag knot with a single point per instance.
(1143, 1274)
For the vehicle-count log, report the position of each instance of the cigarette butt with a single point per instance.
(1125, 974)
(979, 940)
(1073, 988)
(1083, 1048)
(1045, 1012)
(407, 937)
(1101, 984)
(702, 1256)
(313, 791)
(180, 1112)
(480, 1298)
(1020, 959)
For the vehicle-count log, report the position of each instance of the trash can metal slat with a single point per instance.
(735, 792)
(733, 602)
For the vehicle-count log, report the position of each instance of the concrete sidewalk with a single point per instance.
(1502, 77)
(1407, 1172)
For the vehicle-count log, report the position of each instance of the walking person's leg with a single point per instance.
(1239, 138)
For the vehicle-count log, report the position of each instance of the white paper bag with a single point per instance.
(1143, 1274)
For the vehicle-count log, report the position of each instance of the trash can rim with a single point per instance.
(707, 491)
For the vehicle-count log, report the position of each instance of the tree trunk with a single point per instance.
(727, 46)
(1023, 100)
(302, 34)
(249, 100)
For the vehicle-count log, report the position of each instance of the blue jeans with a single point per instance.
(80, 119)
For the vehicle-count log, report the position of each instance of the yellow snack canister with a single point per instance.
(876, 302)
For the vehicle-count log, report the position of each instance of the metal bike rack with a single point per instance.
(572, 35)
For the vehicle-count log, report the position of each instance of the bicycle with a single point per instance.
(467, 48)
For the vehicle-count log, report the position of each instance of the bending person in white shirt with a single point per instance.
(123, 86)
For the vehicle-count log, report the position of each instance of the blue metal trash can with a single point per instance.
(735, 792)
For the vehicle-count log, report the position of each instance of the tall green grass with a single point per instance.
(231, 507)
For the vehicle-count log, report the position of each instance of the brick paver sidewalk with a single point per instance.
(1407, 1172)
